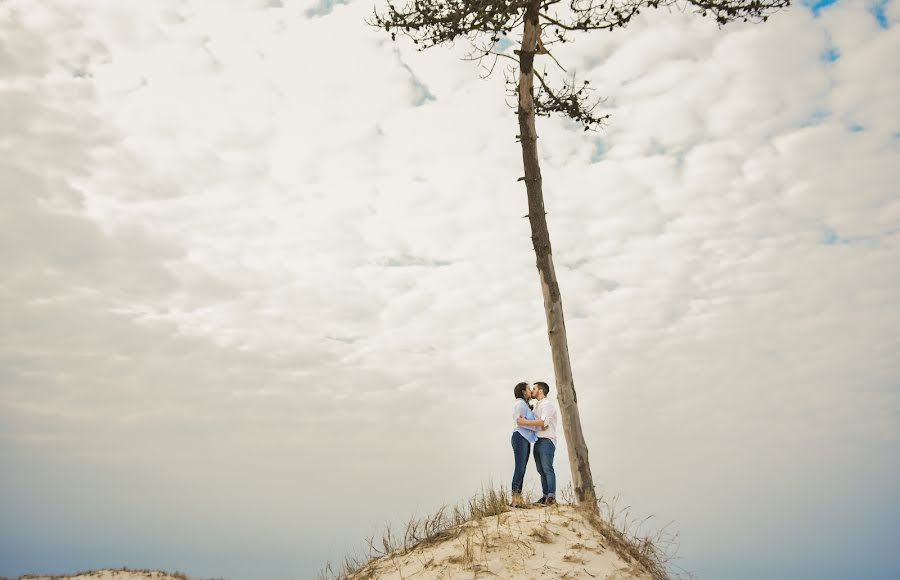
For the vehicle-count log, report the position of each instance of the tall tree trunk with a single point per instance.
(582, 480)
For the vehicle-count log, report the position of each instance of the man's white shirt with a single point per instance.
(547, 412)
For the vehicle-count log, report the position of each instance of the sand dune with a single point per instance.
(555, 542)
(109, 574)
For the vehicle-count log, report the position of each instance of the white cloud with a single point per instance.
(255, 265)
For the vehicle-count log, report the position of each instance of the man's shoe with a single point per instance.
(541, 501)
(550, 500)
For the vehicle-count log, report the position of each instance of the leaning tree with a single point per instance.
(543, 23)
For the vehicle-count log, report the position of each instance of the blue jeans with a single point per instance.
(521, 450)
(544, 450)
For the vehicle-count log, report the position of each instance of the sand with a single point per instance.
(124, 574)
(554, 542)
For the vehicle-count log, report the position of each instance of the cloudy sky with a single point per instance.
(266, 285)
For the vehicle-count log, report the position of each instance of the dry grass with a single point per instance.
(655, 552)
(542, 536)
(439, 527)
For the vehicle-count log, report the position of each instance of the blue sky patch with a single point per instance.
(877, 10)
(598, 152)
(817, 5)
(503, 44)
(814, 118)
(422, 94)
(830, 237)
(324, 7)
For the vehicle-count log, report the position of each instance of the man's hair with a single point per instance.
(544, 387)
(519, 390)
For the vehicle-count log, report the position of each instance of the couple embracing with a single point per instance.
(534, 425)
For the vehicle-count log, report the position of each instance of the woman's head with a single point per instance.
(520, 391)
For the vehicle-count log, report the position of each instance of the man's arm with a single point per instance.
(530, 422)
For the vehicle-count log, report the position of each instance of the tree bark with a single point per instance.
(582, 480)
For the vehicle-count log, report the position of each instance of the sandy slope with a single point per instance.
(114, 575)
(535, 543)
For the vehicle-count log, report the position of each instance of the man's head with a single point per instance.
(541, 390)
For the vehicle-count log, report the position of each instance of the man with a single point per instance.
(546, 418)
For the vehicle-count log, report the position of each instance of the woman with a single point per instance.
(522, 438)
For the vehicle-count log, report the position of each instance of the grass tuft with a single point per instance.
(655, 551)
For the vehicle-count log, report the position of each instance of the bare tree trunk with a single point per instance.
(582, 480)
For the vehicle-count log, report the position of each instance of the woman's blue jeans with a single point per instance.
(521, 451)
(544, 450)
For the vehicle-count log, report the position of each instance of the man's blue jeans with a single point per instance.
(521, 449)
(544, 450)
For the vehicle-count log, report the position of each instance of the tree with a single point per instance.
(483, 22)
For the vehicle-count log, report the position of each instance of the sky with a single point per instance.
(267, 286)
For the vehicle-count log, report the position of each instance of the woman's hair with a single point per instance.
(519, 390)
